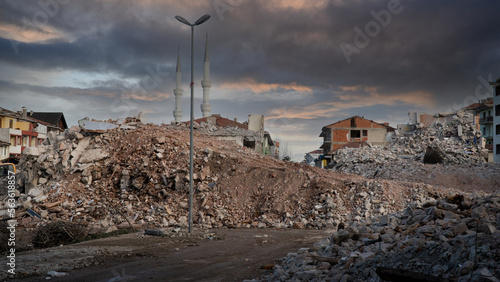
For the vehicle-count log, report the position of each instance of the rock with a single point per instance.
(32, 151)
(40, 198)
(35, 192)
(467, 267)
(487, 228)
(460, 228)
(93, 155)
(339, 236)
(159, 140)
(111, 229)
(80, 148)
(485, 275)
(62, 146)
(385, 219)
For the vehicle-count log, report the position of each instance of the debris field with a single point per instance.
(137, 176)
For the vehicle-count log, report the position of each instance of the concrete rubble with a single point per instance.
(139, 177)
(136, 175)
(453, 143)
(214, 130)
(455, 238)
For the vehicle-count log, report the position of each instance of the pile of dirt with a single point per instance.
(138, 177)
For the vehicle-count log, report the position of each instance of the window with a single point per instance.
(484, 131)
(497, 110)
(365, 133)
(25, 141)
(497, 90)
(497, 129)
(355, 134)
(498, 149)
(11, 123)
(484, 115)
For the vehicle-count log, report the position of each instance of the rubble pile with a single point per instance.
(138, 177)
(459, 139)
(214, 130)
(453, 143)
(366, 161)
(455, 238)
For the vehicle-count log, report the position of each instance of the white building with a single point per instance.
(4, 151)
(496, 120)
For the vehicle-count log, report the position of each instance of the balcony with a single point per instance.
(486, 120)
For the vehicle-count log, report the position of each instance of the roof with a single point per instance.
(330, 125)
(223, 122)
(320, 152)
(50, 117)
(474, 106)
(8, 113)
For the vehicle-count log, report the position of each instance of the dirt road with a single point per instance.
(217, 255)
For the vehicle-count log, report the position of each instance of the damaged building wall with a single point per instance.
(249, 134)
(236, 139)
(424, 120)
(255, 122)
(353, 129)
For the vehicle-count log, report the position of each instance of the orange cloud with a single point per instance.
(265, 87)
(152, 96)
(297, 4)
(25, 34)
(354, 100)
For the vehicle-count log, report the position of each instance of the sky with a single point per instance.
(302, 64)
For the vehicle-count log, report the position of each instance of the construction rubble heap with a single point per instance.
(138, 176)
(451, 143)
(450, 239)
(214, 130)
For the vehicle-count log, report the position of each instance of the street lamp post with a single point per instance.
(201, 20)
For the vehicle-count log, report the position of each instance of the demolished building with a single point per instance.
(449, 139)
(353, 129)
(249, 134)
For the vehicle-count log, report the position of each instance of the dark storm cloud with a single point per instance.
(427, 44)
(430, 55)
